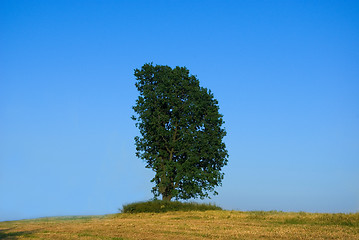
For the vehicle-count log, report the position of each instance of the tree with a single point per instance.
(181, 132)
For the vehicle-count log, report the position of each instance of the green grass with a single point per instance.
(323, 219)
(158, 206)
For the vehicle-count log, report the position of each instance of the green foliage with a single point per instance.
(181, 132)
(166, 206)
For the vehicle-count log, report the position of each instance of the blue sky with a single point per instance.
(285, 73)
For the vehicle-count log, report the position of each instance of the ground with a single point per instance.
(188, 225)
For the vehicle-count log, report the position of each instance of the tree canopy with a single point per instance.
(181, 132)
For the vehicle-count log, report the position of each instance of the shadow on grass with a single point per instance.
(4, 234)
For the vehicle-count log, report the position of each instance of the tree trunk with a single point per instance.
(166, 198)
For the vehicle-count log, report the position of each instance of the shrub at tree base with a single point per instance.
(166, 206)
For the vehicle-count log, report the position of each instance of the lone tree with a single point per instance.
(181, 132)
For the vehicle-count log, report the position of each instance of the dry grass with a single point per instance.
(189, 225)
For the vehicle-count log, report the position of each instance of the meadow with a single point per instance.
(212, 224)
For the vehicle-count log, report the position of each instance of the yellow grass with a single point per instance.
(188, 225)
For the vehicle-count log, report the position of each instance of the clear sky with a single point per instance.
(285, 73)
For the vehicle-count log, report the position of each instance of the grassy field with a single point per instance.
(188, 225)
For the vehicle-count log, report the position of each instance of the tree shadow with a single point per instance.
(4, 234)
